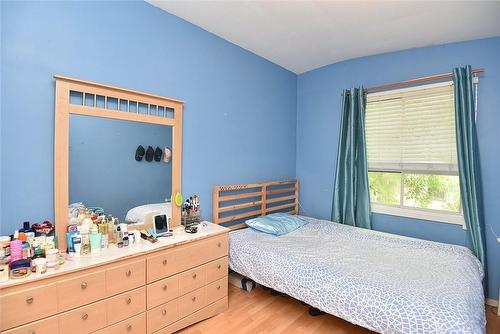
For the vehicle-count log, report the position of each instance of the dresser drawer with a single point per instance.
(162, 316)
(83, 320)
(28, 305)
(126, 305)
(216, 247)
(206, 312)
(160, 266)
(46, 326)
(191, 280)
(216, 290)
(216, 269)
(162, 291)
(201, 252)
(81, 290)
(125, 277)
(134, 325)
(192, 302)
(186, 257)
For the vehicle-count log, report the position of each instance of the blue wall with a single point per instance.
(103, 171)
(240, 123)
(318, 117)
(232, 96)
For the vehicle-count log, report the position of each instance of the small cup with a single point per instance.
(52, 255)
(40, 265)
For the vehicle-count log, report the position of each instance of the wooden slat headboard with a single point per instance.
(235, 203)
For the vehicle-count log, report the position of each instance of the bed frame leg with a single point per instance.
(314, 312)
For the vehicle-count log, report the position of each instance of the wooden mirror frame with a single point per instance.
(64, 108)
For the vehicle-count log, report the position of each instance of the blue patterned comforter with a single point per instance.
(384, 282)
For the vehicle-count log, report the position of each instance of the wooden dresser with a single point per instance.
(154, 288)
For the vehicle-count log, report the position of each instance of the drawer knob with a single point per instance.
(164, 287)
(194, 276)
(128, 273)
(83, 285)
(164, 312)
(193, 299)
(85, 316)
(129, 300)
(219, 266)
(164, 262)
(129, 328)
(29, 300)
(219, 244)
(218, 287)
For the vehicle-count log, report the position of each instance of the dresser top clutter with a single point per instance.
(113, 254)
(143, 288)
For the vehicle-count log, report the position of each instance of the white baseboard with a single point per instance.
(494, 303)
(491, 302)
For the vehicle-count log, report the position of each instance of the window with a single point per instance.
(411, 148)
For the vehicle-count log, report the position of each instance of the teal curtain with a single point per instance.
(351, 195)
(468, 159)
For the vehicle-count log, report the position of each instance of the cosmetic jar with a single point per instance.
(40, 264)
(52, 256)
(20, 268)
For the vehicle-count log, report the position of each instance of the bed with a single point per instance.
(137, 214)
(383, 282)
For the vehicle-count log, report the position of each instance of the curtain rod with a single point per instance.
(436, 77)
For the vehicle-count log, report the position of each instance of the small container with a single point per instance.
(52, 256)
(26, 227)
(111, 230)
(26, 250)
(5, 244)
(16, 250)
(77, 244)
(125, 241)
(95, 243)
(20, 268)
(118, 237)
(37, 254)
(30, 236)
(40, 265)
(4, 273)
(69, 241)
(84, 231)
(104, 240)
(103, 227)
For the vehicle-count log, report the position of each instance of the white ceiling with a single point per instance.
(303, 35)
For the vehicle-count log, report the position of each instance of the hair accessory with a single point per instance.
(149, 154)
(139, 153)
(158, 154)
(191, 229)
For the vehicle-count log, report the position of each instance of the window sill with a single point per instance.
(422, 214)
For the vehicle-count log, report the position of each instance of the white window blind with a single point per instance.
(412, 129)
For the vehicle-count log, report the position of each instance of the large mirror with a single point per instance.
(98, 129)
(121, 168)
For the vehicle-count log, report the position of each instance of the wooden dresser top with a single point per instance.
(114, 253)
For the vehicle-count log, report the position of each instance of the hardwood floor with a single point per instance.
(261, 312)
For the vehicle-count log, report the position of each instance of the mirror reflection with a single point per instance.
(123, 168)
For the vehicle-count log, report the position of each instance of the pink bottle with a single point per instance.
(16, 250)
